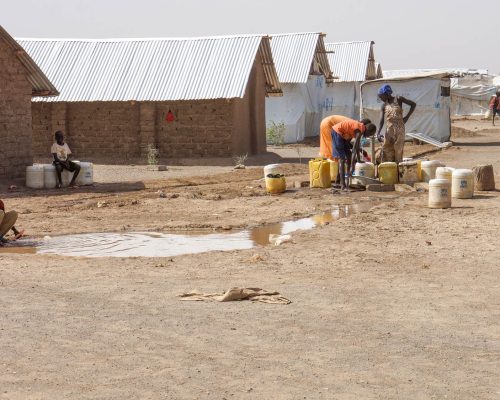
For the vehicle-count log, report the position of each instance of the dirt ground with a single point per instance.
(401, 302)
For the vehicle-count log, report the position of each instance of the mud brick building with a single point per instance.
(20, 79)
(195, 97)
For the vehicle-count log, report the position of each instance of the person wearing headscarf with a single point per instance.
(392, 114)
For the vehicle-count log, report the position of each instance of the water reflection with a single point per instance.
(145, 244)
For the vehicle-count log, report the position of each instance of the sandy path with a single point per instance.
(400, 302)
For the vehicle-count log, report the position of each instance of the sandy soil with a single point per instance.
(400, 302)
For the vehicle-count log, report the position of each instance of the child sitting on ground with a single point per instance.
(7, 221)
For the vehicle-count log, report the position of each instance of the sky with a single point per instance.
(407, 34)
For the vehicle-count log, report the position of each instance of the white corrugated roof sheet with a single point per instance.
(351, 61)
(152, 69)
(40, 83)
(404, 73)
(294, 53)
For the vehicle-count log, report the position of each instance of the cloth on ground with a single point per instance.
(237, 294)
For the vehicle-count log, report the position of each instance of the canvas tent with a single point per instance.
(352, 63)
(431, 92)
(303, 71)
(471, 89)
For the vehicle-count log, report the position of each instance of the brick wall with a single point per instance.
(201, 129)
(119, 132)
(15, 116)
(104, 132)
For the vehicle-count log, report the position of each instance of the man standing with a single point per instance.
(495, 105)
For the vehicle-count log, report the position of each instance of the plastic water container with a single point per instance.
(319, 173)
(428, 169)
(66, 177)
(388, 172)
(334, 170)
(462, 184)
(365, 169)
(273, 169)
(439, 193)
(86, 175)
(34, 176)
(444, 173)
(49, 176)
(275, 185)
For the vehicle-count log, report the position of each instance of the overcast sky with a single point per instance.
(407, 34)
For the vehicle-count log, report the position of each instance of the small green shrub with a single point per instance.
(275, 134)
(152, 154)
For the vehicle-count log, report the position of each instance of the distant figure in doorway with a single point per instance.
(392, 112)
(495, 105)
(61, 153)
(342, 134)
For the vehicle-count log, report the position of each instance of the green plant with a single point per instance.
(275, 133)
(240, 160)
(152, 154)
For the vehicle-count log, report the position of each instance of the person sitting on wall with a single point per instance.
(7, 221)
(61, 153)
(495, 105)
(342, 134)
(392, 111)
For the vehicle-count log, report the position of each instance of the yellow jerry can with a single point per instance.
(319, 173)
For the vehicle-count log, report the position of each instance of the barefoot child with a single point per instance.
(61, 153)
(7, 221)
(342, 134)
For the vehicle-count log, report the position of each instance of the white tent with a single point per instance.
(352, 63)
(303, 70)
(471, 89)
(431, 92)
(470, 94)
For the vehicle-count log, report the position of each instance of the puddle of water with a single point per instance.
(147, 244)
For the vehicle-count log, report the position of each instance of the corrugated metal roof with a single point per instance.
(40, 83)
(351, 61)
(294, 53)
(152, 69)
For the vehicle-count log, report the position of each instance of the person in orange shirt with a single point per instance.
(325, 133)
(342, 134)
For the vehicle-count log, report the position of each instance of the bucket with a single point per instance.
(444, 173)
(388, 172)
(34, 177)
(49, 176)
(275, 185)
(429, 169)
(462, 184)
(439, 193)
(273, 169)
(319, 173)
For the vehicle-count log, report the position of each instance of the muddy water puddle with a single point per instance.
(153, 244)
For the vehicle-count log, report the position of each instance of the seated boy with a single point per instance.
(7, 221)
(61, 153)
